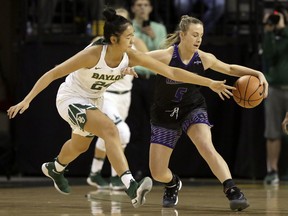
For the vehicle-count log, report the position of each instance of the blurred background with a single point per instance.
(39, 34)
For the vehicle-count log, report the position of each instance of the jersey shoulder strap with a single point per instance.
(100, 41)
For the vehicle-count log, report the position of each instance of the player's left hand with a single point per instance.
(221, 89)
(129, 71)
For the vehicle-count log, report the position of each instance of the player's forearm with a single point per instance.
(189, 77)
(39, 86)
(238, 70)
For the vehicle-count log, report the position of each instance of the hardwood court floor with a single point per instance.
(199, 198)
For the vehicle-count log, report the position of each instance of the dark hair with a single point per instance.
(183, 26)
(114, 25)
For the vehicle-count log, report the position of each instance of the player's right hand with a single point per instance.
(221, 89)
(285, 124)
(20, 107)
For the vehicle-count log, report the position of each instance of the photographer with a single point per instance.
(275, 55)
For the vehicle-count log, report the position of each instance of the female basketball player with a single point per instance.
(180, 106)
(116, 105)
(79, 98)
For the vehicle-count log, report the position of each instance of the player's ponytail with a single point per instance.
(171, 39)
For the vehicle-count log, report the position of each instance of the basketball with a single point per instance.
(249, 93)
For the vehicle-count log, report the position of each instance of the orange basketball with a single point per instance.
(249, 93)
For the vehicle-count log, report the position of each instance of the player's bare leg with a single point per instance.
(159, 162)
(200, 135)
(100, 125)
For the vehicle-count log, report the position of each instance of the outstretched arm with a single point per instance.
(80, 60)
(234, 70)
(41, 84)
(179, 74)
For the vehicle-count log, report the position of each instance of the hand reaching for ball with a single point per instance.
(221, 89)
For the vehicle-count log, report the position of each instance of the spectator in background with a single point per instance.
(153, 34)
(275, 55)
(209, 11)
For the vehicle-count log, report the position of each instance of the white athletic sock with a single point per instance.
(59, 167)
(97, 164)
(126, 178)
(113, 172)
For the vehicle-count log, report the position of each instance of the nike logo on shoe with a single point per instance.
(55, 171)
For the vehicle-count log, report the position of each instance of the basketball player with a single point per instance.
(181, 107)
(79, 100)
(116, 105)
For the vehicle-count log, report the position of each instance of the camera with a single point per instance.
(273, 19)
(146, 23)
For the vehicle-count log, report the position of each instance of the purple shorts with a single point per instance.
(169, 137)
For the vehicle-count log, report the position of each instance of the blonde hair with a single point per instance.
(123, 12)
(183, 26)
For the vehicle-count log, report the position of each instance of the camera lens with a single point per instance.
(273, 19)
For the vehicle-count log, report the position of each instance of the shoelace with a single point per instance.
(171, 191)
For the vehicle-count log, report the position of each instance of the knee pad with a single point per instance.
(124, 133)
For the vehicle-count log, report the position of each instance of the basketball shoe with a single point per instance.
(271, 178)
(137, 191)
(116, 183)
(60, 182)
(238, 202)
(170, 197)
(96, 180)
